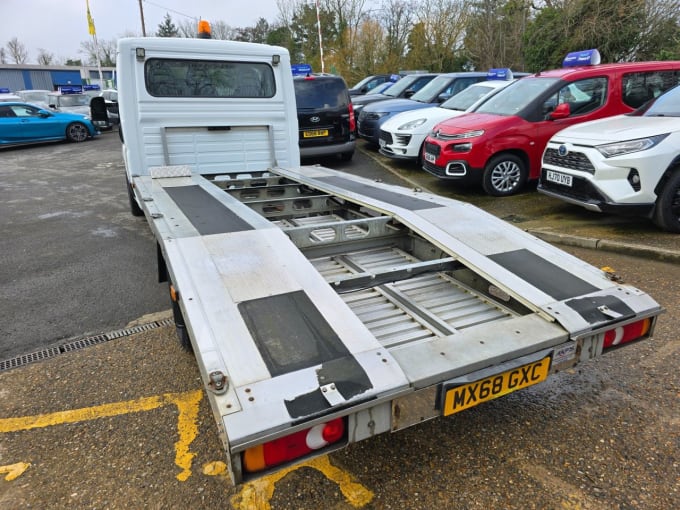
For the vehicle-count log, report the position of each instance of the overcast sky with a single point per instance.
(59, 26)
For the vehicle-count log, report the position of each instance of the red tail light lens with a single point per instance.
(352, 120)
(627, 333)
(294, 446)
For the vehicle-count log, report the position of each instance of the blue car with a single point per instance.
(434, 93)
(26, 123)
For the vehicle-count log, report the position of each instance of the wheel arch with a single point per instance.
(521, 154)
(673, 167)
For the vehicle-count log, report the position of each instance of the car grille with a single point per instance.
(572, 160)
(433, 169)
(386, 137)
(432, 148)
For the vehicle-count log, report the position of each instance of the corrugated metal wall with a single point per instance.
(12, 79)
(41, 80)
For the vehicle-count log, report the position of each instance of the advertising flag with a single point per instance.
(90, 21)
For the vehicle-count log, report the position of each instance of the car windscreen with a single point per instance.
(321, 93)
(666, 105)
(516, 96)
(430, 91)
(401, 85)
(467, 97)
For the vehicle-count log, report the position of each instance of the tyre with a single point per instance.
(77, 132)
(134, 206)
(346, 156)
(504, 175)
(667, 210)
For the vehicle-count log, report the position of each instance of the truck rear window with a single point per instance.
(208, 78)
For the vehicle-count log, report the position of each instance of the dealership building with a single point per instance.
(26, 76)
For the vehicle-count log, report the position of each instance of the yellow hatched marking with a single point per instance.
(187, 422)
(257, 494)
(14, 471)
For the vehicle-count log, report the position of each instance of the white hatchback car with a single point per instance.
(402, 136)
(627, 164)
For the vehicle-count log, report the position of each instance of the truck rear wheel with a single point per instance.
(667, 210)
(504, 175)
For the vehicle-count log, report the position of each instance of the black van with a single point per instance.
(325, 117)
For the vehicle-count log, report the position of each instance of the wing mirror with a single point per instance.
(561, 111)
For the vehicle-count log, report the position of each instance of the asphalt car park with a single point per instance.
(123, 423)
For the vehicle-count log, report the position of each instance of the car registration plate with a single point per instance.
(461, 397)
(313, 133)
(430, 158)
(558, 178)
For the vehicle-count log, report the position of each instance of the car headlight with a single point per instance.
(611, 150)
(412, 124)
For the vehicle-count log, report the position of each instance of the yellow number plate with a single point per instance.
(469, 395)
(314, 133)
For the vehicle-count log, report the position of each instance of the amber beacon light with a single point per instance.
(204, 30)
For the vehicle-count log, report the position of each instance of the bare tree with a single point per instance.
(370, 51)
(397, 18)
(222, 31)
(107, 52)
(495, 32)
(189, 28)
(3, 56)
(45, 58)
(443, 25)
(17, 51)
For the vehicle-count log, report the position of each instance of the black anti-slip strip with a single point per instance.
(403, 201)
(543, 274)
(207, 214)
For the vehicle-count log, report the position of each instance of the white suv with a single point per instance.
(627, 164)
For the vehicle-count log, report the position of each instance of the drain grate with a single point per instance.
(80, 343)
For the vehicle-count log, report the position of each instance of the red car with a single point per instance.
(502, 142)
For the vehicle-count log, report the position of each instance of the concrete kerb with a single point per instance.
(634, 250)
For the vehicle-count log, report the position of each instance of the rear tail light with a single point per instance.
(627, 333)
(352, 120)
(294, 446)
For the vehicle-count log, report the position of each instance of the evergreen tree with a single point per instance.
(167, 28)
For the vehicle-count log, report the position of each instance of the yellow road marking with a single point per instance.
(216, 468)
(257, 494)
(14, 471)
(187, 405)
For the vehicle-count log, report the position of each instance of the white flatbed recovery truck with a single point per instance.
(324, 308)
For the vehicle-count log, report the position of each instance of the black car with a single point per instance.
(325, 117)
